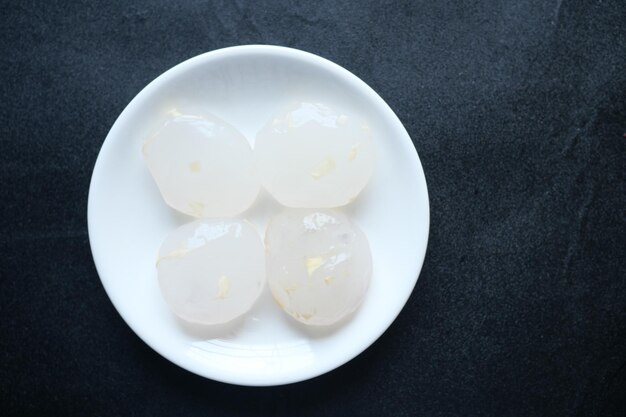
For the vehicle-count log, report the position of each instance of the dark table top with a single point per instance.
(518, 112)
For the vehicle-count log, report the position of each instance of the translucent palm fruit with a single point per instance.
(318, 264)
(314, 156)
(203, 166)
(211, 270)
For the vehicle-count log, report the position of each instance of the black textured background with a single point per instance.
(518, 111)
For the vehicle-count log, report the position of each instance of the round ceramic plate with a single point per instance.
(128, 219)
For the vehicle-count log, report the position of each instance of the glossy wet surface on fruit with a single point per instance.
(315, 156)
(211, 270)
(318, 264)
(203, 166)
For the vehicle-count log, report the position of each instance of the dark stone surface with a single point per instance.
(518, 111)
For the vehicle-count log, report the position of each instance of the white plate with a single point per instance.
(128, 219)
